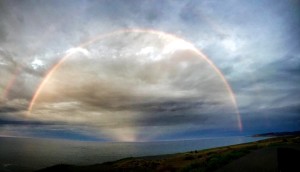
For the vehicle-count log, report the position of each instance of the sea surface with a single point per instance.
(40, 153)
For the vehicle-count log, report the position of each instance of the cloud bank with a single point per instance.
(141, 85)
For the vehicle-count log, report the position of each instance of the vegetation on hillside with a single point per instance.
(204, 160)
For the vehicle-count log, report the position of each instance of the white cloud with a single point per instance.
(78, 50)
(36, 63)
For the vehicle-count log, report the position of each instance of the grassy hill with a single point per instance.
(204, 160)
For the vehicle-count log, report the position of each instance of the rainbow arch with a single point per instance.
(155, 32)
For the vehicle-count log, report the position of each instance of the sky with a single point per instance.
(113, 70)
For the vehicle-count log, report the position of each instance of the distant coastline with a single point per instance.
(277, 134)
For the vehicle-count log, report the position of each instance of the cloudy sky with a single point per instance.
(148, 70)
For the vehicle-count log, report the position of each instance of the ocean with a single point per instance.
(41, 153)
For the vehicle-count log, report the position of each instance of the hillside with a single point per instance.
(204, 160)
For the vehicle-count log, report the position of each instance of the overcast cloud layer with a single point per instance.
(133, 86)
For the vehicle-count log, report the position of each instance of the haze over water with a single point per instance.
(40, 153)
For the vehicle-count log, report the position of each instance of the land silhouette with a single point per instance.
(279, 153)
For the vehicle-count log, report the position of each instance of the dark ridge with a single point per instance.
(274, 134)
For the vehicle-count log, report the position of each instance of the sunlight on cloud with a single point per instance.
(36, 63)
(78, 50)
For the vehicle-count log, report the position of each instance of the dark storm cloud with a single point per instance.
(158, 106)
(172, 120)
(170, 113)
(170, 106)
(25, 123)
(295, 109)
(288, 65)
(277, 118)
(8, 109)
(281, 74)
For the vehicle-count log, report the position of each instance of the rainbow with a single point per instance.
(19, 68)
(159, 33)
(11, 82)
